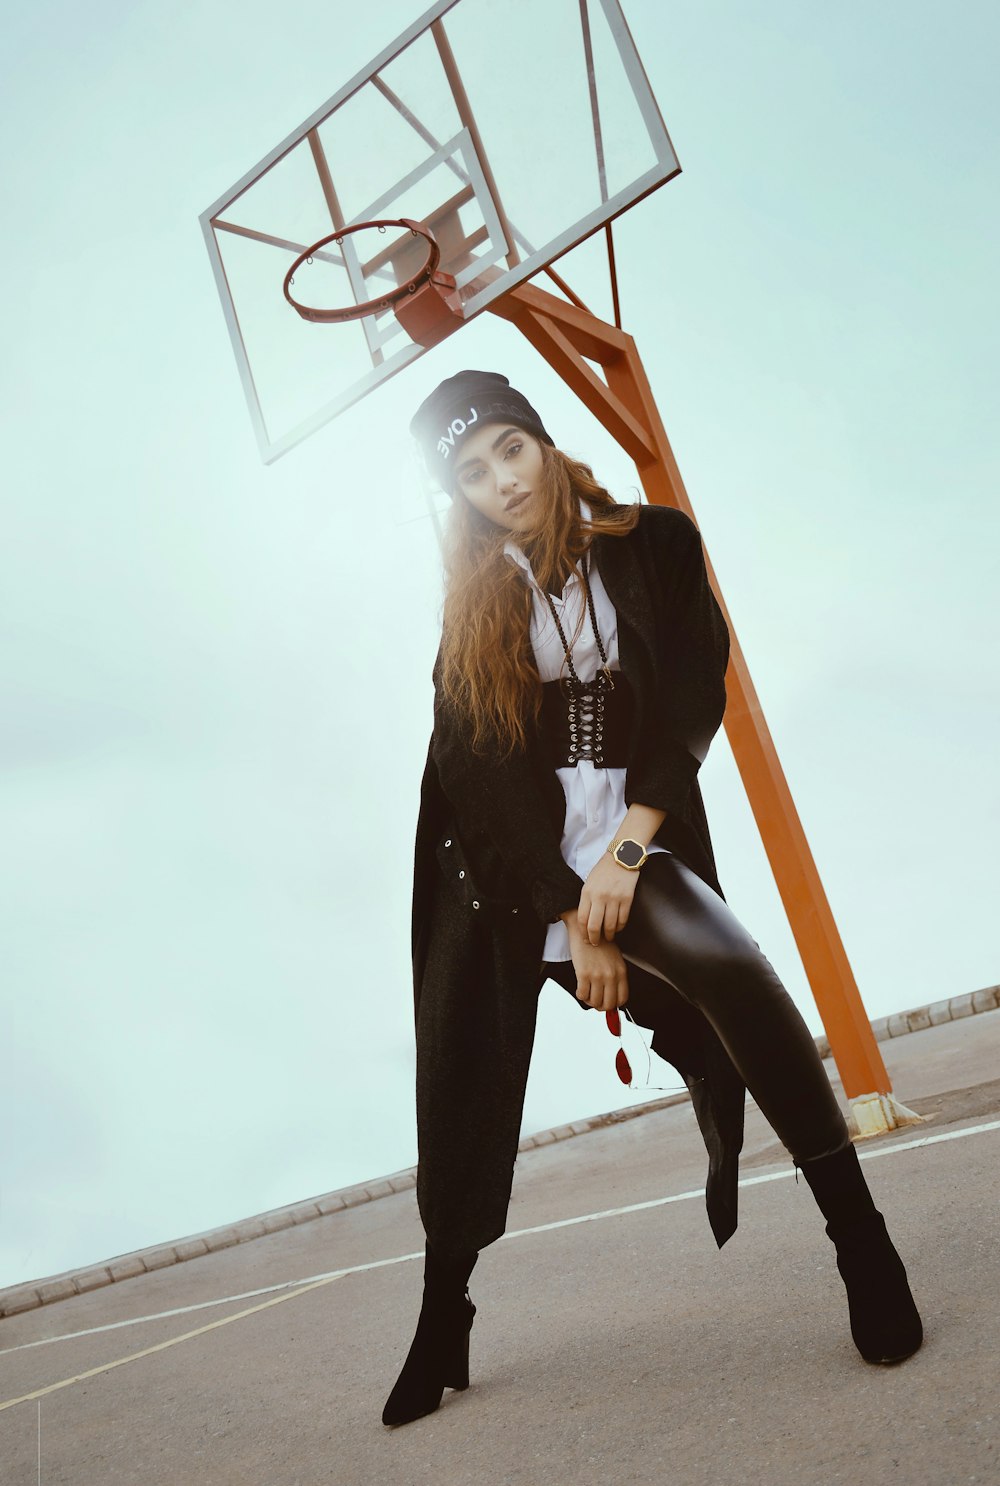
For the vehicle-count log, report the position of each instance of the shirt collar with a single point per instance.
(516, 554)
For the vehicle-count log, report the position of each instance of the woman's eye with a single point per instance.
(514, 448)
(470, 476)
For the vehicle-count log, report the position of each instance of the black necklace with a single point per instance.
(585, 699)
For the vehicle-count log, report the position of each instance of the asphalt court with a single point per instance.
(43, 1366)
(229, 1360)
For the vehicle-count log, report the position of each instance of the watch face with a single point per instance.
(630, 853)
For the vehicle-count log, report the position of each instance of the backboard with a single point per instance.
(513, 131)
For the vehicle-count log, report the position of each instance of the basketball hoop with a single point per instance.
(427, 305)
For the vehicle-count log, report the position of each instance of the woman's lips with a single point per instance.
(519, 501)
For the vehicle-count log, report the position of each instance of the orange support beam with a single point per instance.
(565, 334)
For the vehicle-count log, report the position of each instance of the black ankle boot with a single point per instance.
(439, 1353)
(885, 1323)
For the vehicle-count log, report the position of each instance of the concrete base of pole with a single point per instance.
(874, 1114)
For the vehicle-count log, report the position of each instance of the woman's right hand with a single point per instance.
(601, 974)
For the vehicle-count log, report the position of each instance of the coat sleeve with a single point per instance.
(504, 799)
(693, 653)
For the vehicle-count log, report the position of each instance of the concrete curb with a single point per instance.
(26, 1297)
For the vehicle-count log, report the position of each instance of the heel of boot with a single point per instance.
(457, 1371)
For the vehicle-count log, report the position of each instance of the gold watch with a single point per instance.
(628, 853)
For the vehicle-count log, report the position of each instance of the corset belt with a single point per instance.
(587, 721)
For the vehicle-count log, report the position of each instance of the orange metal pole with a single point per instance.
(564, 334)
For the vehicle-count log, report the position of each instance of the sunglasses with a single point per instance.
(622, 1065)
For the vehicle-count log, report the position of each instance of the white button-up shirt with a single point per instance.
(595, 797)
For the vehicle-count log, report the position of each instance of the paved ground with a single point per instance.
(624, 1348)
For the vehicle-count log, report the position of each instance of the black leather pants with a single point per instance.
(681, 932)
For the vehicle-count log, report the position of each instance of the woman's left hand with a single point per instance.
(606, 900)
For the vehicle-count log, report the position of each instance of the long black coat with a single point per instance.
(489, 877)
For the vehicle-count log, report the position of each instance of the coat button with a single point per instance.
(461, 874)
(474, 903)
(513, 910)
(447, 843)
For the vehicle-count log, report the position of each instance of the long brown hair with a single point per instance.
(487, 670)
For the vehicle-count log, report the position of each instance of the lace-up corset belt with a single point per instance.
(587, 720)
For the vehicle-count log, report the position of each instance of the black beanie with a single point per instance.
(458, 407)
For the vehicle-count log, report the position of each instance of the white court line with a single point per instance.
(202, 1305)
(171, 1341)
(751, 1181)
(611, 1212)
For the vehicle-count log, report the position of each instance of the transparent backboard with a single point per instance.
(514, 132)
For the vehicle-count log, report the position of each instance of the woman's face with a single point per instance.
(500, 473)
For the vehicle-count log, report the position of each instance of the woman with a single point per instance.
(562, 835)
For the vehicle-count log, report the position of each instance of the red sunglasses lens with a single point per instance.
(614, 1022)
(622, 1067)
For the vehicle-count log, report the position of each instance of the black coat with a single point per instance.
(489, 877)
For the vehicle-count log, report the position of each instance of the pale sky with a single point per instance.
(216, 676)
